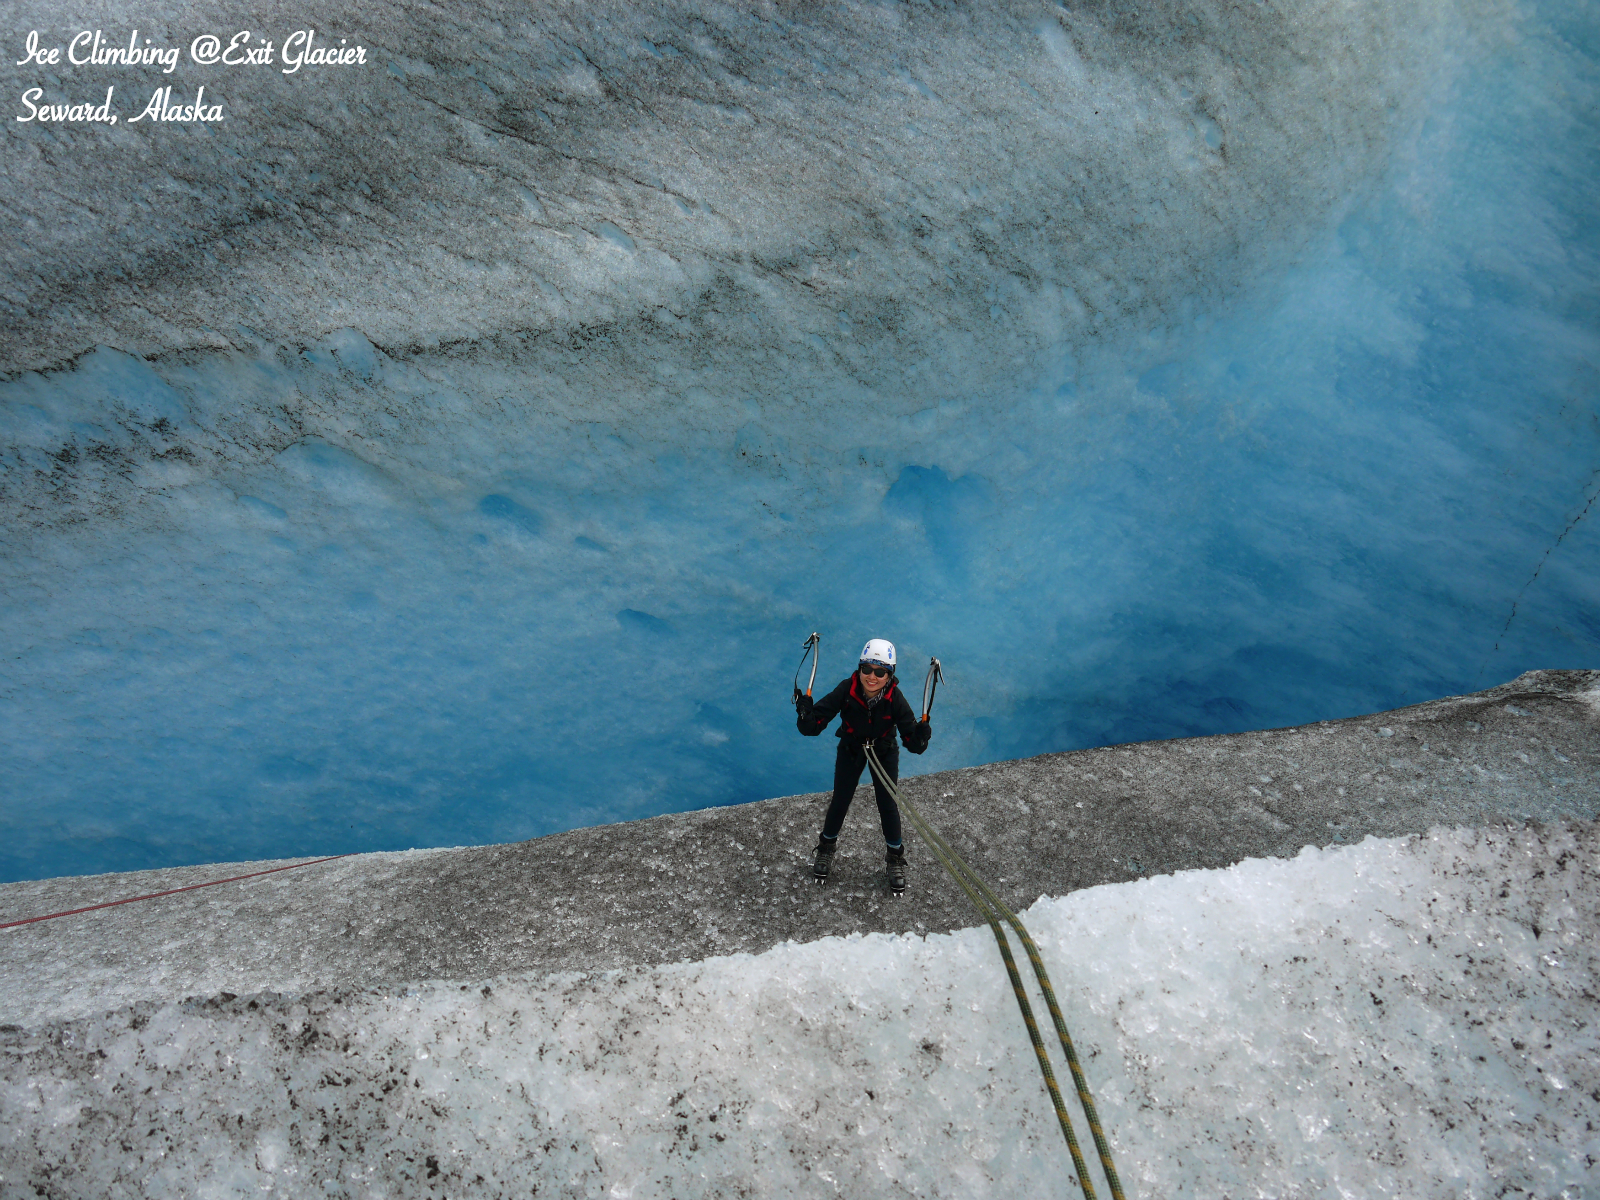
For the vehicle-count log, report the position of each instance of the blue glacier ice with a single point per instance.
(461, 450)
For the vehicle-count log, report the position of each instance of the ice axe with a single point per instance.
(930, 686)
(809, 650)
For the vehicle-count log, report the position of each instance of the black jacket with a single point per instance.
(859, 723)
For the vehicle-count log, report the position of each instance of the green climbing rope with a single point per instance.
(993, 910)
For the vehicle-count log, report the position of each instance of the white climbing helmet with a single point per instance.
(878, 651)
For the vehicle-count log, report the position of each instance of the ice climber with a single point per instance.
(870, 708)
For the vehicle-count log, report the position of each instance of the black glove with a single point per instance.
(805, 714)
(923, 734)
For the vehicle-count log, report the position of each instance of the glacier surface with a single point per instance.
(459, 449)
(1402, 1018)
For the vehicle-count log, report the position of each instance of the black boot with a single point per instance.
(824, 860)
(897, 870)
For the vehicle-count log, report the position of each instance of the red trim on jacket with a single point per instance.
(884, 697)
(855, 678)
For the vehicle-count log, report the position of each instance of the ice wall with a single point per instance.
(1403, 1018)
(472, 439)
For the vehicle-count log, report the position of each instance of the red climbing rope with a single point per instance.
(171, 891)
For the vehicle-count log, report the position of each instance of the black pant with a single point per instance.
(847, 768)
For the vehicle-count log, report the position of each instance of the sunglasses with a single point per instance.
(879, 672)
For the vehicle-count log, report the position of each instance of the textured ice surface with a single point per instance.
(1409, 1017)
(882, 180)
(473, 440)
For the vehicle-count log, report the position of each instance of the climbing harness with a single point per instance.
(809, 650)
(930, 686)
(993, 911)
(72, 912)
